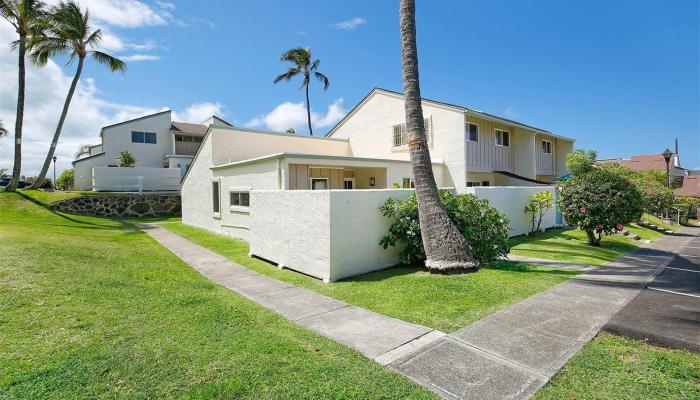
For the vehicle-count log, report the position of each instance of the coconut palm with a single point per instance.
(83, 150)
(3, 130)
(68, 31)
(445, 246)
(24, 16)
(302, 64)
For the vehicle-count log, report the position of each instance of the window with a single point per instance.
(546, 147)
(472, 132)
(406, 183)
(143, 137)
(349, 183)
(502, 138)
(473, 184)
(319, 183)
(401, 136)
(485, 183)
(215, 196)
(240, 199)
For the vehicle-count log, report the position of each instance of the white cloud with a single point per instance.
(127, 13)
(293, 115)
(349, 24)
(139, 57)
(165, 5)
(510, 111)
(46, 91)
(199, 112)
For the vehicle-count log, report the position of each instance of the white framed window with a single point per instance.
(546, 147)
(400, 134)
(143, 137)
(349, 183)
(502, 138)
(215, 197)
(472, 132)
(473, 183)
(318, 183)
(239, 199)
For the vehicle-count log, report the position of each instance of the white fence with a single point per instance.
(135, 179)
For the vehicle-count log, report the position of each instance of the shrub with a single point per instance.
(599, 202)
(537, 207)
(688, 207)
(126, 159)
(656, 198)
(580, 161)
(66, 180)
(483, 226)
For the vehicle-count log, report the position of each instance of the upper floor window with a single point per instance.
(143, 137)
(546, 147)
(400, 135)
(188, 139)
(502, 138)
(472, 132)
(240, 199)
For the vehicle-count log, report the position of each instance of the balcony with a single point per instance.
(187, 145)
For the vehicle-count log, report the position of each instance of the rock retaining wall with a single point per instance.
(121, 205)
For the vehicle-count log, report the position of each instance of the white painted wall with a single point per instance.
(117, 138)
(511, 200)
(115, 179)
(82, 170)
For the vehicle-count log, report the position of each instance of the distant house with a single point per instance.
(156, 142)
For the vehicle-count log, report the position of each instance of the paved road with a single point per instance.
(667, 311)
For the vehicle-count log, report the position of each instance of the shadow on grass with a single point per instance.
(61, 215)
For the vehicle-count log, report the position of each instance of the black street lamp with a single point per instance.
(667, 156)
(54, 169)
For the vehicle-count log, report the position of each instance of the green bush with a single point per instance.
(688, 207)
(126, 159)
(66, 180)
(600, 201)
(580, 161)
(483, 226)
(537, 207)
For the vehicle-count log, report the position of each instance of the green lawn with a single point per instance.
(614, 367)
(444, 302)
(92, 308)
(570, 245)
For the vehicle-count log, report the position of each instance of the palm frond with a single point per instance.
(322, 78)
(84, 150)
(305, 82)
(113, 63)
(94, 39)
(3, 130)
(45, 47)
(291, 73)
(299, 56)
(314, 65)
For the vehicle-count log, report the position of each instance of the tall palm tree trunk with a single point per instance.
(308, 109)
(445, 246)
(17, 167)
(59, 127)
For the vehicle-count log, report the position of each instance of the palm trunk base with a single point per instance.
(457, 266)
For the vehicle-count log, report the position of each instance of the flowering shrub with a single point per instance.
(483, 226)
(537, 207)
(600, 201)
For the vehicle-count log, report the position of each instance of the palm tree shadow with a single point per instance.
(58, 214)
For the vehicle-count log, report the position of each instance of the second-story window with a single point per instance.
(400, 134)
(502, 138)
(546, 147)
(143, 137)
(472, 132)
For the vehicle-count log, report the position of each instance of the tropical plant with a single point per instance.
(445, 246)
(537, 206)
(83, 150)
(66, 180)
(291, 131)
(599, 202)
(483, 226)
(68, 31)
(25, 16)
(580, 161)
(126, 159)
(301, 59)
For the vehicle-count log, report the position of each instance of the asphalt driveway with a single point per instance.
(667, 311)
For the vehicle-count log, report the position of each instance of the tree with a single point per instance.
(66, 180)
(291, 131)
(302, 64)
(126, 159)
(68, 31)
(445, 246)
(24, 16)
(599, 201)
(656, 197)
(580, 161)
(83, 150)
(3, 130)
(537, 207)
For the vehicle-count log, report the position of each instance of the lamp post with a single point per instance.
(667, 156)
(54, 170)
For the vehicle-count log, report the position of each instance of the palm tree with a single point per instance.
(83, 150)
(3, 131)
(301, 58)
(68, 31)
(445, 246)
(24, 15)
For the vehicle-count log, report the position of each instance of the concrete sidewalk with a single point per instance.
(378, 337)
(513, 353)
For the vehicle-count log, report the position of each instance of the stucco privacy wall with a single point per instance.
(511, 200)
(83, 171)
(116, 179)
(330, 234)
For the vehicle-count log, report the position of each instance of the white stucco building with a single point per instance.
(311, 203)
(156, 142)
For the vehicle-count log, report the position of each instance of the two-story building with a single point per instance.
(155, 140)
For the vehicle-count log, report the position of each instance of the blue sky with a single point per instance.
(621, 77)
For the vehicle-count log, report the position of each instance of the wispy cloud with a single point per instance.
(349, 24)
(510, 111)
(140, 57)
(302, 33)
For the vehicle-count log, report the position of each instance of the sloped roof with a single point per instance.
(691, 187)
(185, 127)
(645, 162)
